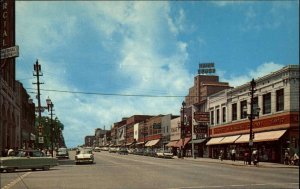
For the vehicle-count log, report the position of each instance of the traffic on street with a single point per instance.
(114, 171)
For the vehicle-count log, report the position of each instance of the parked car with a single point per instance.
(84, 155)
(161, 153)
(150, 152)
(138, 151)
(97, 149)
(27, 159)
(113, 149)
(123, 151)
(62, 153)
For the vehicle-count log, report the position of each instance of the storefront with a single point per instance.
(270, 145)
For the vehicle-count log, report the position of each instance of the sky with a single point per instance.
(98, 57)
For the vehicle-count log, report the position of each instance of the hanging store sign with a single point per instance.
(201, 117)
(10, 52)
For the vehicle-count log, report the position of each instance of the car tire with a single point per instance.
(46, 168)
(10, 170)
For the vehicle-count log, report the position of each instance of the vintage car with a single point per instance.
(164, 153)
(97, 149)
(27, 159)
(123, 151)
(62, 153)
(84, 155)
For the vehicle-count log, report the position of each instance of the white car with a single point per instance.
(97, 149)
(84, 155)
(164, 154)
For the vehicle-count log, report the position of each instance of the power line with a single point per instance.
(109, 94)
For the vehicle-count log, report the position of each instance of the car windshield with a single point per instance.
(85, 151)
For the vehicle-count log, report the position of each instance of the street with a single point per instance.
(115, 171)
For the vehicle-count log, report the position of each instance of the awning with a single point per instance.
(230, 139)
(139, 143)
(152, 142)
(198, 141)
(172, 143)
(262, 137)
(180, 142)
(214, 141)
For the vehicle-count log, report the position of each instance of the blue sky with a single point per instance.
(147, 48)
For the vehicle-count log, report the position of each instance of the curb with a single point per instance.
(238, 164)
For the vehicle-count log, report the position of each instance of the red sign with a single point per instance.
(288, 119)
(201, 117)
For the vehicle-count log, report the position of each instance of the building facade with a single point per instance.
(276, 125)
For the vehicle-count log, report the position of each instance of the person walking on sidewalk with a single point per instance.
(221, 155)
(233, 153)
(246, 157)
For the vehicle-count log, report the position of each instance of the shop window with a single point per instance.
(234, 112)
(279, 100)
(267, 103)
(243, 109)
(212, 118)
(218, 116)
(224, 114)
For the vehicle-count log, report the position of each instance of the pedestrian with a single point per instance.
(286, 157)
(233, 154)
(10, 152)
(246, 157)
(221, 155)
(295, 159)
(255, 157)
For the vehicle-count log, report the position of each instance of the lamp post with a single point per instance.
(182, 129)
(50, 108)
(251, 117)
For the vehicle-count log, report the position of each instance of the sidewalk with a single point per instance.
(239, 163)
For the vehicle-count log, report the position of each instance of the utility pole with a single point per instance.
(37, 73)
(251, 137)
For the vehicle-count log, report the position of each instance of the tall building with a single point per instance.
(9, 112)
(195, 109)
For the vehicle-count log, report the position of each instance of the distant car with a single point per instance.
(164, 154)
(123, 151)
(97, 149)
(27, 159)
(113, 149)
(84, 155)
(62, 153)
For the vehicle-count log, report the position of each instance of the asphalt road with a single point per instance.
(114, 171)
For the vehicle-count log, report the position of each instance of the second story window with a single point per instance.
(223, 114)
(244, 109)
(212, 118)
(279, 100)
(218, 116)
(267, 103)
(234, 112)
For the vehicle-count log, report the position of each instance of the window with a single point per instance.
(223, 114)
(244, 109)
(267, 103)
(212, 118)
(279, 100)
(218, 116)
(234, 112)
(255, 105)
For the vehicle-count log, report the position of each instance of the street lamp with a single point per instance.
(251, 116)
(182, 128)
(50, 108)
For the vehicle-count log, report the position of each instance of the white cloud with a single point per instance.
(262, 70)
(143, 31)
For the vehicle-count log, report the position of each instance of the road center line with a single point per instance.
(14, 182)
